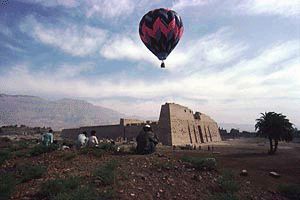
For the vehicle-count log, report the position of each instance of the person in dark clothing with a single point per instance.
(146, 141)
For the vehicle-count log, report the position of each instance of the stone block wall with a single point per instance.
(164, 126)
(178, 125)
(207, 129)
(181, 120)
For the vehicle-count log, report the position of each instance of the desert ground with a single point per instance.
(167, 174)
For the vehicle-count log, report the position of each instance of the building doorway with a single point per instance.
(201, 135)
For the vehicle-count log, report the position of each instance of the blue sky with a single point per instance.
(235, 60)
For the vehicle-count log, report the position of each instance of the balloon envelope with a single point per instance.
(160, 30)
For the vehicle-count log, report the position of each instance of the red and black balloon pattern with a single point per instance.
(160, 30)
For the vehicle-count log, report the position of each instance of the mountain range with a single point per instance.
(65, 113)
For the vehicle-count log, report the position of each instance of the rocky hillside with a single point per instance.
(65, 113)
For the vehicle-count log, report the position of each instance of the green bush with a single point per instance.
(291, 191)
(5, 139)
(68, 189)
(52, 188)
(107, 147)
(97, 152)
(29, 172)
(69, 156)
(6, 143)
(41, 149)
(110, 193)
(224, 196)
(4, 155)
(106, 173)
(19, 145)
(201, 163)
(164, 165)
(228, 187)
(227, 182)
(7, 185)
(84, 151)
(21, 154)
(80, 193)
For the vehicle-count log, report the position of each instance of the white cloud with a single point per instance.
(182, 4)
(286, 8)
(266, 62)
(72, 39)
(68, 71)
(14, 48)
(125, 47)
(106, 9)
(109, 8)
(51, 3)
(5, 31)
(213, 49)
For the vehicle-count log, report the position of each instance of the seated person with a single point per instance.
(47, 138)
(82, 140)
(146, 141)
(93, 140)
(64, 147)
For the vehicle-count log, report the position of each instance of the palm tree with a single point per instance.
(274, 126)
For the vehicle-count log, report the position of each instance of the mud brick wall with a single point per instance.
(110, 132)
(103, 132)
(125, 122)
(70, 134)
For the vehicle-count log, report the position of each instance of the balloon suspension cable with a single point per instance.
(162, 64)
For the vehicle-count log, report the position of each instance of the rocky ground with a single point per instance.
(165, 174)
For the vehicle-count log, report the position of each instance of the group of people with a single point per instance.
(83, 140)
(146, 140)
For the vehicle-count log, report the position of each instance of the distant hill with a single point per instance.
(241, 127)
(66, 113)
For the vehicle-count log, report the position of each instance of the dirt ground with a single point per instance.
(164, 175)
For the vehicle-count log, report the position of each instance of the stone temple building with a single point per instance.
(177, 125)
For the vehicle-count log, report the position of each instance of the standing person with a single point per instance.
(146, 141)
(93, 140)
(47, 138)
(82, 140)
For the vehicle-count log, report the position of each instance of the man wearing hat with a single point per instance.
(146, 141)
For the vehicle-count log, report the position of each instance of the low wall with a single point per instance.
(110, 131)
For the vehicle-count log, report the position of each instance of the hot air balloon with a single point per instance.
(160, 30)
